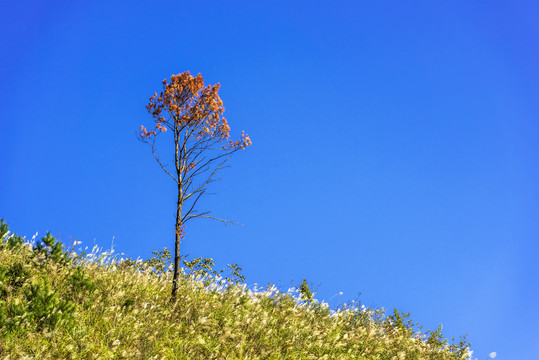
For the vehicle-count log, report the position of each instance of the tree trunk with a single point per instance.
(177, 258)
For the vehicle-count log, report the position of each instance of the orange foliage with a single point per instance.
(185, 103)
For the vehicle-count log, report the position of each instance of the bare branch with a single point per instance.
(206, 165)
(214, 218)
(160, 164)
(194, 203)
(208, 180)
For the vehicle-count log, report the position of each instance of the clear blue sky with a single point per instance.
(395, 146)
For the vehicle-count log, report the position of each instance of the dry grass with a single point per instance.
(97, 307)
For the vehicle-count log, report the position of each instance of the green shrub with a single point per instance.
(16, 275)
(79, 283)
(4, 229)
(45, 310)
(11, 242)
(161, 262)
(305, 291)
(52, 249)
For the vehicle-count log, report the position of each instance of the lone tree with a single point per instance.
(202, 145)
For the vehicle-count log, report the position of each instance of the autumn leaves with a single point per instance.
(189, 108)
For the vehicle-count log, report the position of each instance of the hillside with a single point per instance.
(56, 303)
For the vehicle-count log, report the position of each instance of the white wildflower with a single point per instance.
(492, 355)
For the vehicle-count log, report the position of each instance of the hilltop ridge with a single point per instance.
(59, 303)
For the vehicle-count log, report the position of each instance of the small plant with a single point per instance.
(52, 249)
(128, 263)
(12, 315)
(161, 262)
(201, 267)
(79, 282)
(4, 229)
(12, 241)
(401, 322)
(305, 291)
(12, 278)
(40, 310)
(436, 339)
(16, 275)
(235, 276)
(44, 308)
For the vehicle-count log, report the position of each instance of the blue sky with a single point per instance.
(395, 146)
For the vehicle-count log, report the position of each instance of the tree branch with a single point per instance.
(214, 218)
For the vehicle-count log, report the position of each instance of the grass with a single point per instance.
(59, 304)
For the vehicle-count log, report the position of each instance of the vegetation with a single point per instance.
(202, 145)
(56, 303)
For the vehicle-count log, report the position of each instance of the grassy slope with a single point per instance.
(59, 306)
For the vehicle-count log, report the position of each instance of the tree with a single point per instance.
(193, 114)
